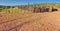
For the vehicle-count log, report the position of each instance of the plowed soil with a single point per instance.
(49, 21)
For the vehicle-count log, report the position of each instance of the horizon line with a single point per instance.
(27, 4)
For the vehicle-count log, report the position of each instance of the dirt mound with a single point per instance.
(49, 21)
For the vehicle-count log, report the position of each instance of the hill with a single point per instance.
(29, 7)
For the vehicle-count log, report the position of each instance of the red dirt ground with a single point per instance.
(49, 21)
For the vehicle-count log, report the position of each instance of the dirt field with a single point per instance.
(30, 21)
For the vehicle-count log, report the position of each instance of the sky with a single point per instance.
(23, 2)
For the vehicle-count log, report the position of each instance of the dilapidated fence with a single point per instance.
(39, 9)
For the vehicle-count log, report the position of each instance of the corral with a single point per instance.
(39, 9)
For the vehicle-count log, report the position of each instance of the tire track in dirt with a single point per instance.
(21, 20)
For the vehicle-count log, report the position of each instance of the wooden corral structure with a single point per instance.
(54, 9)
(44, 9)
(39, 9)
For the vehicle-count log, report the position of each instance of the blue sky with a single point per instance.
(22, 2)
